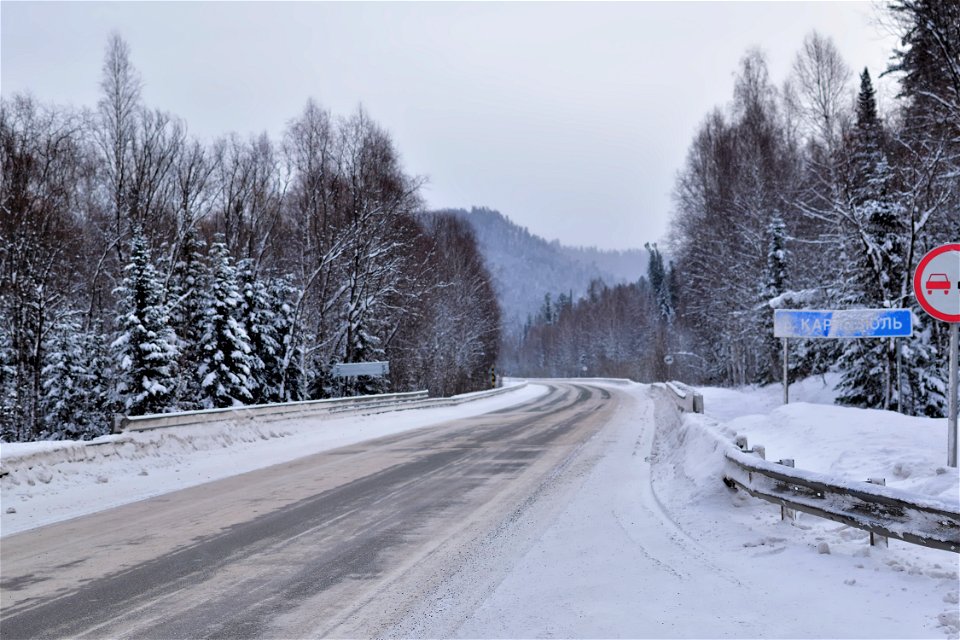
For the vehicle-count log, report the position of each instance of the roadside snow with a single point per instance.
(46, 482)
(637, 537)
(848, 443)
(908, 590)
(640, 538)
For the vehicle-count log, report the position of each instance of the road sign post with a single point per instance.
(952, 405)
(786, 372)
(936, 283)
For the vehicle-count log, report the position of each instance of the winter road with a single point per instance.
(346, 543)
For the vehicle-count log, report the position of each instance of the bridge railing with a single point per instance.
(262, 412)
(306, 409)
(686, 399)
(869, 506)
(881, 510)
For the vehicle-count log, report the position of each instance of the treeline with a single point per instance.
(621, 331)
(524, 265)
(798, 196)
(143, 271)
(806, 197)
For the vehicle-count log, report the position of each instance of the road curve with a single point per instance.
(337, 544)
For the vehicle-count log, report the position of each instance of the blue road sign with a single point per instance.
(848, 323)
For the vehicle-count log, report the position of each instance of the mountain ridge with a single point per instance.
(548, 267)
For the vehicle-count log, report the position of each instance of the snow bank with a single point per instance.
(843, 442)
(913, 590)
(33, 463)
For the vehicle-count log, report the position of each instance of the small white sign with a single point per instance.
(354, 369)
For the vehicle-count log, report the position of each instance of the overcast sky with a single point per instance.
(570, 118)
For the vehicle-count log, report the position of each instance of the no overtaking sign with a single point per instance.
(936, 283)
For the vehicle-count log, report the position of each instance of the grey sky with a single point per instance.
(571, 118)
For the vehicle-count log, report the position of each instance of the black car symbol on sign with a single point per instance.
(938, 281)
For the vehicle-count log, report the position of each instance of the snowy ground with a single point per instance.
(910, 453)
(68, 479)
(640, 538)
(637, 538)
(912, 590)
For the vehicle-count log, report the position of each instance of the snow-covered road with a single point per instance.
(623, 531)
(62, 479)
(596, 555)
(601, 554)
(330, 544)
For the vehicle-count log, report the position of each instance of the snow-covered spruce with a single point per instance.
(76, 395)
(226, 363)
(145, 348)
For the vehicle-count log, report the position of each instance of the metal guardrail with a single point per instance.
(263, 412)
(455, 401)
(685, 398)
(880, 510)
(871, 507)
(79, 451)
(288, 410)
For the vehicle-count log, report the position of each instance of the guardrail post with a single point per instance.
(741, 443)
(786, 512)
(760, 450)
(697, 403)
(875, 538)
(118, 420)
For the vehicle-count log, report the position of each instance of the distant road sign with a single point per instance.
(847, 323)
(936, 282)
(354, 369)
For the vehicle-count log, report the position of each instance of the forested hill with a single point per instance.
(525, 267)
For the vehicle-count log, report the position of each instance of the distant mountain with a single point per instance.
(525, 267)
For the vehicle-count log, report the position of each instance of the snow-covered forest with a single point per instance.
(795, 195)
(525, 266)
(621, 331)
(142, 270)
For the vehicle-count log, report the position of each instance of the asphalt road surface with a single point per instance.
(339, 544)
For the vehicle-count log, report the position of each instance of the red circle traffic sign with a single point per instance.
(936, 282)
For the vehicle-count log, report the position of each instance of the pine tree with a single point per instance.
(660, 282)
(145, 349)
(285, 377)
(924, 372)
(185, 301)
(226, 365)
(776, 273)
(263, 330)
(74, 391)
(8, 386)
(928, 66)
(546, 315)
(662, 321)
(877, 269)
(774, 283)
